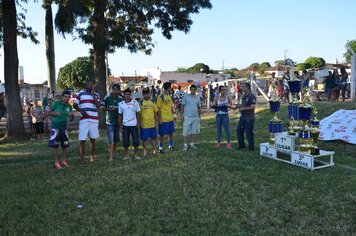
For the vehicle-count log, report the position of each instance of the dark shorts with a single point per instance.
(58, 137)
(39, 127)
(146, 133)
(128, 131)
(166, 128)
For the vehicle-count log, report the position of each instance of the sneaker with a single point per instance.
(218, 145)
(126, 158)
(192, 146)
(185, 148)
(57, 165)
(228, 145)
(171, 148)
(137, 158)
(65, 163)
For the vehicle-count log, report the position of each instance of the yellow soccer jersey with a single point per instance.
(148, 109)
(166, 107)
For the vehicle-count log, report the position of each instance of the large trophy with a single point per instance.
(275, 124)
(293, 108)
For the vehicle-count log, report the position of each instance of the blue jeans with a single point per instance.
(112, 133)
(243, 126)
(222, 120)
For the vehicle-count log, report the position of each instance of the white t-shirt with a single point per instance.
(128, 111)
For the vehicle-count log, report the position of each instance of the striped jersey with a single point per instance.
(85, 101)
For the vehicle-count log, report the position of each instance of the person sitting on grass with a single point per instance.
(149, 119)
(60, 111)
(129, 119)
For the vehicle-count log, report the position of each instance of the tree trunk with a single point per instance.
(51, 67)
(14, 128)
(99, 47)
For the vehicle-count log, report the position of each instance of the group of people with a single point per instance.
(336, 84)
(138, 120)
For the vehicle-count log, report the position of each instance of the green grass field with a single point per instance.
(205, 192)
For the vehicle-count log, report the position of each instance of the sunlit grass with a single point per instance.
(206, 192)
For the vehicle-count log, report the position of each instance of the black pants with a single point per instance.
(243, 126)
(127, 131)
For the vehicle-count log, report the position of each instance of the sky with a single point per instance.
(233, 34)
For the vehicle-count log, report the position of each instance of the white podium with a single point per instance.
(285, 150)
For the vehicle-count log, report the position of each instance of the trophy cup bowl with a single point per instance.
(274, 106)
(294, 88)
(305, 112)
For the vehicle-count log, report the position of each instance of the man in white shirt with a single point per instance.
(129, 119)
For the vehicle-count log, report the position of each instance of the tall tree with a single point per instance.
(13, 24)
(124, 24)
(14, 126)
(49, 39)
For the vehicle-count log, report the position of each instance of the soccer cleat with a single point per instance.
(57, 165)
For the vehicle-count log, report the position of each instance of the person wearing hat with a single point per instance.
(110, 105)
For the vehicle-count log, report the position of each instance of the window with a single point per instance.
(190, 81)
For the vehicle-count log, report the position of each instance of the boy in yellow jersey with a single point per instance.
(149, 119)
(165, 114)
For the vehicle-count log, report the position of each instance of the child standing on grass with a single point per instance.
(129, 119)
(165, 114)
(37, 114)
(149, 119)
(60, 111)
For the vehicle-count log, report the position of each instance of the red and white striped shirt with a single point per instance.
(85, 101)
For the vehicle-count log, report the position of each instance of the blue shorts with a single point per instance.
(146, 133)
(112, 133)
(166, 128)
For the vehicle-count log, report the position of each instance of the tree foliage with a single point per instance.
(199, 68)
(124, 24)
(74, 74)
(315, 62)
(264, 65)
(347, 54)
(181, 70)
(303, 66)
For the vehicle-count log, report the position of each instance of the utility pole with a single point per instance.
(353, 74)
